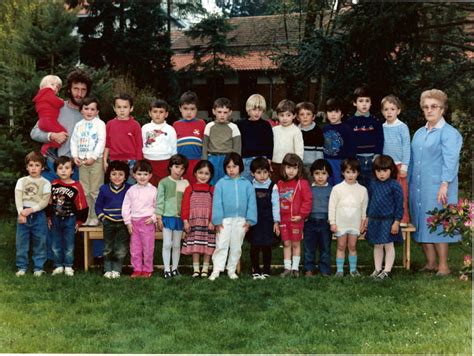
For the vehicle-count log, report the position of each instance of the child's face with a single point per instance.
(255, 114)
(363, 104)
(291, 172)
(117, 177)
(122, 109)
(222, 114)
(334, 116)
(232, 170)
(382, 174)
(203, 175)
(350, 176)
(261, 175)
(176, 171)
(320, 176)
(305, 117)
(89, 112)
(286, 118)
(142, 177)
(34, 168)
(64, 171)
(158, 115)
(55, 86)
(390, 111)
(188, 111)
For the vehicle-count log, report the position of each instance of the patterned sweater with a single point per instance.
(169, 197)
(190, 134)
(32, 193)
(159, 141)
(109, 202)
(367, 134)
(68, 199)
(221, 137)
(397, 143)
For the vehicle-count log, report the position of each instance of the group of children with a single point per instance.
(220, 182)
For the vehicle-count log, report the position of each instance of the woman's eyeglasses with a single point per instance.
(432, 107)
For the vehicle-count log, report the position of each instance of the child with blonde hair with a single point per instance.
(256, 134)
(47, 106)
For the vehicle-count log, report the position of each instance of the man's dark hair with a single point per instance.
(79, 76)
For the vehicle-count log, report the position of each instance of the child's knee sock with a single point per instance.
(378, 257)
(389, 256)
(287, 264)
(296, 263)
(195, 266)
(340, 264)
(205, 267)
(352, 263)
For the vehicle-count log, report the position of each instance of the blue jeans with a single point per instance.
(35, 230)
(63, 231)
(247, 173)
(317, 235)
(365, 169)
(217, 161)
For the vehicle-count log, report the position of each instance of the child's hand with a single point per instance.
(89, 162)
(159, 223)
(76, 227)
(21, 219)
(149, 221)
(130, 229)
(50, 223)
(77, 161)
(276, 229)
(211, 227)
(333, 228)
(187, 227)
(363, 225)
(395, 227)
(26, 212)
(403, 174)
(106, 165)
(219, 228)
(246, 226)
(296, 218)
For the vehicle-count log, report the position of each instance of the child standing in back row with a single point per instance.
(397, 145)
(295, 206)
(220, 138)
(87, 149)
(347, 214)
(190, 132)
(256, 134)
(287, 138)
(159, 140)
(168, 212)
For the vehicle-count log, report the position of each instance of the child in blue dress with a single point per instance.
(384, 213)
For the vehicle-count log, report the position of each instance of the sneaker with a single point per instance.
(214, 275)
(196, 274)
(136, 274)
(115, 274)
(339, 274)
(374, 274)
(147, 274)
(296, 273)
(233, 275)
(383, 275)
(175, 273)
(38, 273)
(86, 223)
(256, 276)
(167, 275)
(58, 270)
(286, 273)
(93, 222)
(309, 274)
(355, 273)
(20, 273)
(265, 275)
(108, 275)
(325, 274)
(68, 271)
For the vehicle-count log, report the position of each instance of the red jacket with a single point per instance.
(296, 198)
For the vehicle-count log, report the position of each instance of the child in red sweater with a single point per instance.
(295, 206)
(124, 135)
(47, 105)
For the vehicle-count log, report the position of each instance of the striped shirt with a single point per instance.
(397, 143)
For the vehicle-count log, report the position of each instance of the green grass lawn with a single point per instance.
(411, 313)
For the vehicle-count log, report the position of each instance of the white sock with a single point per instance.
(167, 243)
(296, 263)
(195, 266)
(287, 264)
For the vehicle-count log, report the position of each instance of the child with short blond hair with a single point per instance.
(32, 194)
(256, 134)
(397, 145)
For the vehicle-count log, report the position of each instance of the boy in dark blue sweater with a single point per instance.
(317, 232)
(367, 134)
(108, 208)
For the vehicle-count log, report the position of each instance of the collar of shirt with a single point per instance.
(317, 185)
(395, 123)
(265, 184)
(438, 125)
(367, 114)
(310, 127)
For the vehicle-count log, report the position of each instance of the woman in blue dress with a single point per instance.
(435, 150)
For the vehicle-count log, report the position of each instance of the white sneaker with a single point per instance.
(68, 271)
(115, 274)
(108, 275)
(257, 276)
(233, 275)
(38, 273)
(93, 222)
(58, 270)
(20, 273)
(214, 275)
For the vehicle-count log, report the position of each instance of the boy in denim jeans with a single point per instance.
(317, 232)
(32, 195)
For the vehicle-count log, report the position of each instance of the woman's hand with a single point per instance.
(443, 193)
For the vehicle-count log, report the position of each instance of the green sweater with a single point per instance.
(169, 196)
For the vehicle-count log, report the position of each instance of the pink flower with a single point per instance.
(467, 260)
(467, 223)
(463, 277)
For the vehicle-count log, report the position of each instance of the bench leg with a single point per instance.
(405, 242)
(408, 250)
(87, 252)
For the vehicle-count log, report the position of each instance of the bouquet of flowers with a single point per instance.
(455, 219)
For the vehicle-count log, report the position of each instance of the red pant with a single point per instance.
(403, 182)
(160, 171)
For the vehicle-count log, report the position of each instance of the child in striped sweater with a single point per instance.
(397, 145)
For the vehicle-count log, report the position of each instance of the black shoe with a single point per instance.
(175, 273)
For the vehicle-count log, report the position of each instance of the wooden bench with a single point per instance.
(95, 233)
